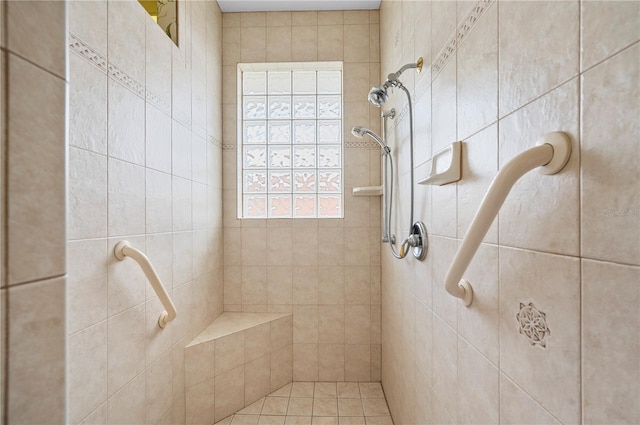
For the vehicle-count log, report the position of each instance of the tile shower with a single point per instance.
(553, 335)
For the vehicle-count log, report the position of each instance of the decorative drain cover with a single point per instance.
(533, 324)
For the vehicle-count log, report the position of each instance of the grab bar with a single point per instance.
(551, 155)
(124, 249)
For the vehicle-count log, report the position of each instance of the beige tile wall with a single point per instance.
(569, 243)
(32, 199)
(326, 272)
(144, 165)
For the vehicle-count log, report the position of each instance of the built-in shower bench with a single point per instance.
(238, 359)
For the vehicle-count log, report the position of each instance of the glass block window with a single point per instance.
(290, 140)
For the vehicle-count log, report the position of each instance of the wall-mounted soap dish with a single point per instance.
(445, 166)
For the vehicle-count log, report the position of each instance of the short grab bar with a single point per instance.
(551, 155)
(124, 249)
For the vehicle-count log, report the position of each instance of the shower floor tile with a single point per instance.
(319, 403)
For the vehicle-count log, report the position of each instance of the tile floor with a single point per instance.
(319, 403)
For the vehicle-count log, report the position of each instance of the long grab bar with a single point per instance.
(551, 155)
(124, 249)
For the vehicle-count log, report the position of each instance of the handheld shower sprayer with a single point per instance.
(378, 95)
(360, 132)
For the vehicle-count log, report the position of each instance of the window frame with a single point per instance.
(240, 190)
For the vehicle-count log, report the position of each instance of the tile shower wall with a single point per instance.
(32, 200)
(144, 165)
(565, 249)
(326, 272)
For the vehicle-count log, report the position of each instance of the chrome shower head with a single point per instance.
(360, 132)
(378, 94)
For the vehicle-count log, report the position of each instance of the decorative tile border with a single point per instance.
(182, 117)
(82, 49)
(456, 39)
(361, 145)
(447, 52)
(85, 51)
(126, 80)
(158, 102)
(199, 130)
(91, 55)
(347, 145)
(214, 141)
(533, 324)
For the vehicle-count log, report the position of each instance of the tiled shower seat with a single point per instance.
(238, 359)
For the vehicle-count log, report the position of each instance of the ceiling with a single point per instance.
(282, 5)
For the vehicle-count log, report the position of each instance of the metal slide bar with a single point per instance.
(551, 155)
(124, 249)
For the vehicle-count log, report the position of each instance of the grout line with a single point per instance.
(579, 235)
(529, 396)
(109, 274)
(4, 199)
(29, 61)
(38, 280)
(497, 218)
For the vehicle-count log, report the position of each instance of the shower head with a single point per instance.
(360, 132)
(378, 94)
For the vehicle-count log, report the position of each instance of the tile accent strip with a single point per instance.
(448, 51)
(88, 53)
(456, 39)
(126, 80)
(199, 130)
(347, 145)
(533, 324)
(158, 102)
(181, 117)
(361, 145)
(82, 49)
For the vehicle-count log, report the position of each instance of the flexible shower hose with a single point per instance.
(403, 251)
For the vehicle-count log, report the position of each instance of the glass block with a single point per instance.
(329, 181)
(304, 132)
(279, 132)
(255, 206)
(329, 206)
(255, 107)
(255, 157)
(304, 206)
(254, 83)
(329, 82)
(329, 156)
(255, 132)
(304, 181)
(329, 107)
(279, 156)
(255, 181)
(329, 132)
(304, 82)
(304, 107)
(280, 206)
(279, 107)
(280, 181)
(304, 156)
(279, 82)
